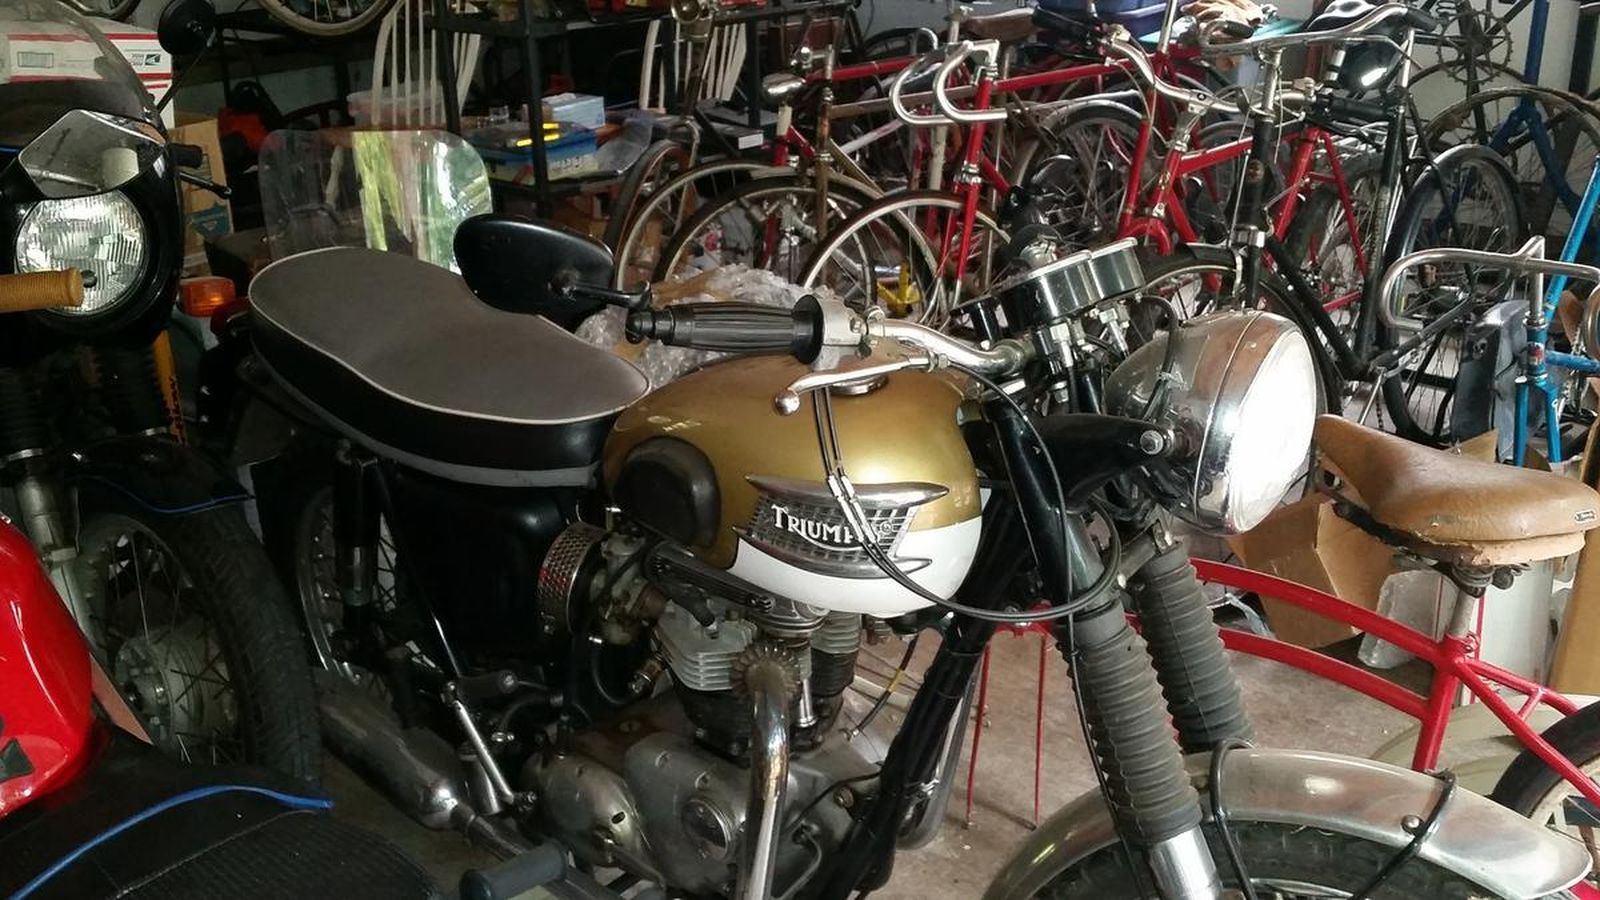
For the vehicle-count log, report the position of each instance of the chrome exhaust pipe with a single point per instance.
(415, 768)
(771, 688)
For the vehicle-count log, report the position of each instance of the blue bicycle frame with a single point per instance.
(1537, 359)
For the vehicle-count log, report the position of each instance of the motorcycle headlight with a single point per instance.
(1239, 388)
(103, 235)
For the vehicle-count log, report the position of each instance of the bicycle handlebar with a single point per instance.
(896, 87)
(989, 52)
(1528, 260)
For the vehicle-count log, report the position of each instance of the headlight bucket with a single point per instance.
(1241, 394)
(101, 234)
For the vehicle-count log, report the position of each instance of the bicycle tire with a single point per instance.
(1531, 788)
(1568, 121)
(1053, 166)
(1318, 236)
(1441, 73)
(924, 263)
(1416, 216)
(288, 12)
(636, 184)
(845, 194)
(629, 244)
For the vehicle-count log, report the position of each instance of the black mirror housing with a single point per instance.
(520, 265)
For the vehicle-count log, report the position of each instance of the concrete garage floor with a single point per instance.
(1288, 708)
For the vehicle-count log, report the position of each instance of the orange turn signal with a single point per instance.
(203, 296)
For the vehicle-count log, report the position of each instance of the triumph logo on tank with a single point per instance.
(800, 523)
(827, 535)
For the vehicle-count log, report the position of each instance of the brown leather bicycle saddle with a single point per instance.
(1459, 510)
(1007, 27)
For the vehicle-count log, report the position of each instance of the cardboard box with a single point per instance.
(1307, 542)
(150, 61)
(206, 216)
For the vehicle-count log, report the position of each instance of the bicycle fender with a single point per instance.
(157, 474)
(1476, 838)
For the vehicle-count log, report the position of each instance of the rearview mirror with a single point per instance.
(186, 26)
(524, 266)
(86, 153)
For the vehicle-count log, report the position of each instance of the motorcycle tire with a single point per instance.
(237, 597)
(1291, 856)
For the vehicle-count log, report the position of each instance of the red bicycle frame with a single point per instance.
(1453, 658)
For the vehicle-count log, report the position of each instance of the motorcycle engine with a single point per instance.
(661, 790)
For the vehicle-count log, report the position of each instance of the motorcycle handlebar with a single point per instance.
(733, 327)
(41, 290)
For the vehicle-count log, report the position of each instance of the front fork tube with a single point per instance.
(49, 524)
(1151, 797)
(1202, 694)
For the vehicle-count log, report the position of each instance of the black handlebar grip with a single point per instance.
(1421, 20)
(544, 864)
(187, 156)
(733, 327)
(1358, 112)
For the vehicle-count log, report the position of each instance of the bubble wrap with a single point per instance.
(661, 363)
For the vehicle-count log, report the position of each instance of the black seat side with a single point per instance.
(402, 357)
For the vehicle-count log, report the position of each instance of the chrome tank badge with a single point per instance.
(800, 523)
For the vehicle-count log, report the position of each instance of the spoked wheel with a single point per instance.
(1078, 167)
(1336, 256)
(327, 18)
(660, 163)
(192, 628)
(657, 215)
(1535, 790)
(1466, 200)
(316, 583)
(901, 252)
(1549, 138)
(769, 223)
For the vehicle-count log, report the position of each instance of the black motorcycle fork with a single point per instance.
(1152, 800)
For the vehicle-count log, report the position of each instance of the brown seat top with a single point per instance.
(1444, 499)
(1011, 25)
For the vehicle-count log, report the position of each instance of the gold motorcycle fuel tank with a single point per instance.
(710, 462)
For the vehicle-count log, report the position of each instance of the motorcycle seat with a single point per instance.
(1459, 510)
(402, 357)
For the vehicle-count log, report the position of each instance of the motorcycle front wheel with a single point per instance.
(194, 630)
(1283, 862)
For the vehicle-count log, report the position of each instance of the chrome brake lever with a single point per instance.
(787, 402)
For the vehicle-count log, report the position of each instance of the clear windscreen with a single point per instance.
(399, 191)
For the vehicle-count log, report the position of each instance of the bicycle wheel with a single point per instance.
(1078, 169)
(901, 251)
(1466, 198)
(1549, 138)
(326, 18)
(769, 223)
(654, 221)
(1320, 236)
(1442, 85)
(1532, 788)
(658, 165)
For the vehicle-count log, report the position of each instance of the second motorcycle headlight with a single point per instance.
(102, 235)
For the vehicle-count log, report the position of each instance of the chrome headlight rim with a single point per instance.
(1230, 366)
(133, 286)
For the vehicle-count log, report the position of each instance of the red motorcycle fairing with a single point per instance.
(46, 704)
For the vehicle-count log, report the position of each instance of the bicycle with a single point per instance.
(1477, 523)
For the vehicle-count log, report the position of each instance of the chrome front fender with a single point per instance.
(1477, 839)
